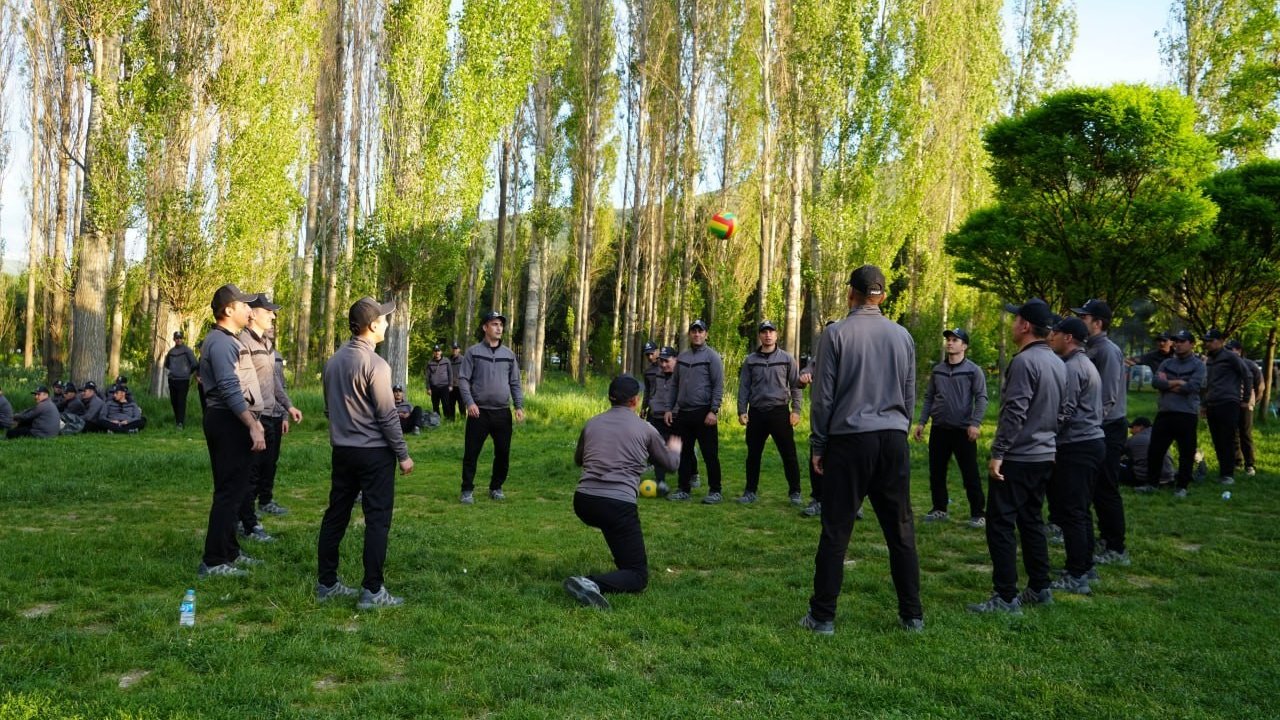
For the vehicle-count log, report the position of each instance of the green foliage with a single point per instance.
(1097, 196)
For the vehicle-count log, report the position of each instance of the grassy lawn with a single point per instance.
(101, 535)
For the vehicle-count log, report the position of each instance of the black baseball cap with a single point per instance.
(1234, 344)
(493, 315)
(649, 347)
(227, 294)
(177, 335)
(119, 388)
(1141, 420)
(1096, 308)
(69, 387)
(698, 325)
(1182, 336)
(1074, 327)
(667, 352)
(767, 325)
(1166, 335)
(366, 310)
(1034, 311)
(623, 388)
(91, 385)
(456, 346)
(437, 348)
(263, 302)
(40, 389)
(1213, 334)
(957, 333)
(867, 280)
(397, 388)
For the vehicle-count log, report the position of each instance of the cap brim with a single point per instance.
(1011, 308)
(264, 304)
(387, 307)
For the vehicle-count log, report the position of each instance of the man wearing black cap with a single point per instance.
(39, 421)
(6, 412)
(68, 402)
(90, 405)
(769, 404)
(367, 446)
(695, 396)
(613, 450)
(285, 411)
(658, 407)
(440, 383)
(232, 429)
(1244, 448)
(490, 384)
(1021, 463)
(1104, 488)
(1163, 351)
(454, 407)
(1081, 448)
(119, 414)
(651, 372)
(864, 393)
(1228, 391)
(1134, 470)
(1179, 381)
(410, 415)
(956, 400)
(180, 362)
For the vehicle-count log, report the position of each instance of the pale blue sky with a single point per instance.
(1115, 42)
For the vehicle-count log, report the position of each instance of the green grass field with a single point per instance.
(101, 535)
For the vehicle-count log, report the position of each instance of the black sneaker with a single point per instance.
(796, 499)
(273, 508)
(1036, 597)
(337, 589)
(679, 496)
(937, 516)
(663, 489)
(382, 598)
(747, 498)
(467, 498)
(912, 624)
(997, 604)
(223, 570)
(695, 482)
(1076, 585)
(712, 498)
(814, 509)
(819, 627)
(586, 591)
(497, 495)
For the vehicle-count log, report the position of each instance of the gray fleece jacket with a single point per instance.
(1030, 405)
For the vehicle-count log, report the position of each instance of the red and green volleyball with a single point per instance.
(722, 225)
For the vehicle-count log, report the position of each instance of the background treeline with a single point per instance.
(326, 149)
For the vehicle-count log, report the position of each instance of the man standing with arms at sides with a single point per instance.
(1104, 488)
(864, 393)
(769, 403)
(1081, 448)
(1228, 391)
(259, 337)
(440, 383)
(287, 412)
(658, 409)
(1244, 448)
(490, 384)
(231, 428)
(651, 373)
(955, 399)
(1021, 463)
(613, 450)
(180, 362)
(1179, 381)
(364, 431)
(695, 396)
(455, 395)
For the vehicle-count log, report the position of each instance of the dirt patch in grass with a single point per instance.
(132, 677)
(325, 683)
(40, 610)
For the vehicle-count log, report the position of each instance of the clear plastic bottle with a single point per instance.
(187, 610)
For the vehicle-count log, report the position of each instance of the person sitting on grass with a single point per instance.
(39, 421)
(1133, 466)
(91, 406)
(411, 419)
(613, 451)
(119, 415)
(6, 412)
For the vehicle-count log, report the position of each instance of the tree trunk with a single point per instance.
(817, 292)
(117, 306)
(792, 316)
(36, 240)
(500, 241)
(55, 357)
(303, 333)
(535, 318)
(396, 346)
(1268, 372)
(336, 127)
(355, 148)
(766, 165)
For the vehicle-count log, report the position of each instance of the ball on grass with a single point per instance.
(722, 225)
(648, 488)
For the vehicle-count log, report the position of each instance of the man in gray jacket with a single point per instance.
(364, 431)
(1228, 390)
(864, 392)
(180, 362)
(955, 399)
(490, 384)
(1081, 447)
(118, 415)
(440, 383)
(1179, 380)
(769, 404)
(695, 394)
(1021, 463)
(39, 421)
(1244, 448)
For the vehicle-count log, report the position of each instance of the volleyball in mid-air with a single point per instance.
(648, 488)
(722, 225)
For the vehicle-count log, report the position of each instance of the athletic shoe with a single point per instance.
(1053, 533)
(1072, 584)
(712, 498)
(977, 522)
(796, 499)
(1180, 493)
(820, 627)
(497, 494)
(467, 497)
(912, 624)
(857, 515)
(1227, 480)
(663, 489)
(1145, 489)
(1092, 575)
(936, 516)
(1202, 468)
(273, 508)
(223, 570)
(382, 598)
(814, 509)
(747, 498)
(179, 426)
(417, 430)
(997, 604)
(1111, 557)
(243, 560)
(259, 534)
(585, 591)
(695, 482)
(1036, 597)
(337, 589)
(679, 496)
(1250, 471)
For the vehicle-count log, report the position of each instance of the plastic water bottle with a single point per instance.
(187, 610)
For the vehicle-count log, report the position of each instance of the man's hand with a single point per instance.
(284, 426)
(257, 437)
(710, 419)
(473, 410)
(817, 464)
(667, 417)
(742, 419)
(1162, 376)
(795, 419)
(675, 443)
(972, 433)
(406, 466)
(296, 414)
(519, 415)
(805, 378)
(919, 433)
(993, 467)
